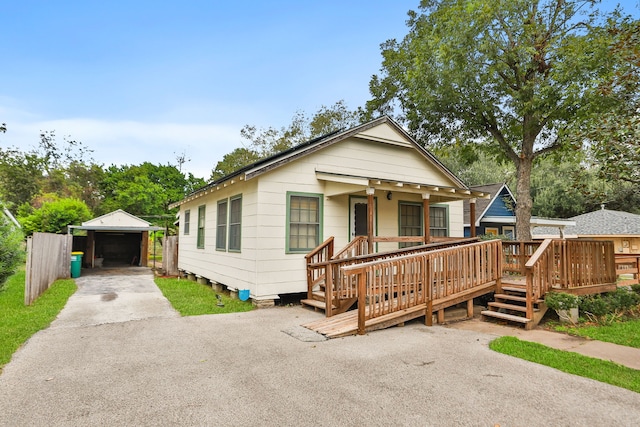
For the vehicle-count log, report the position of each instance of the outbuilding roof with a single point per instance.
(603, 222)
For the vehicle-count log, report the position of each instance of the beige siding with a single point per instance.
(263, 266)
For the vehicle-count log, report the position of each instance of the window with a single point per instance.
(410, 222)
(491, 231)
(235, 223)
(200, 239)
(187, 219)
(438, 226)
(509, 231)
(304, 221)
(221, 227)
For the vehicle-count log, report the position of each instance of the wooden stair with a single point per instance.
(318, 302)
(511, 305)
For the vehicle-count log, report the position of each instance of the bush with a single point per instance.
(561, 301)
(623, 299)
(594, 305)
(11, 249)
(54, 216)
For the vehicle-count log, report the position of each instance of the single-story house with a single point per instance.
(251, 230)
(623, 228)
(497, 214)
(114, 239)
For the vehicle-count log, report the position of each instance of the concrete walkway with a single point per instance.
(626, 356)
(114, 295)
(262, 368)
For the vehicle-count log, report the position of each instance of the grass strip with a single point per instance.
(19, 322)
(623, 333)
(569, 362)
(191, 298)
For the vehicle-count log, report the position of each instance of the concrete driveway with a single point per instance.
(250, 369)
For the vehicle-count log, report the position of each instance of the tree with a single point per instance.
(615, 134)
(511, 75)
(263, 143)
(55, 215)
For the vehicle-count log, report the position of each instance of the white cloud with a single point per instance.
(133, 142)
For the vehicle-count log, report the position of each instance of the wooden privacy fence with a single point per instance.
(48, 259)
(400, 283)
(170, 255)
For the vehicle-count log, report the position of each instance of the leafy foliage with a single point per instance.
(55, 215)
(511, 75)
(263, 143)
(11, 248)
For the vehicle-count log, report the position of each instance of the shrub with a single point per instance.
(594, 305)
(11, 249)
(623, 299)
(561, 301)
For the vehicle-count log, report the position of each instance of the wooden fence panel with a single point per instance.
(170, 256)
(48, 259)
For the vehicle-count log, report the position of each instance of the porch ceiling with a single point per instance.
(339, 183)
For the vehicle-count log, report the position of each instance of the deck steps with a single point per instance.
(510, 304)
(505, 316)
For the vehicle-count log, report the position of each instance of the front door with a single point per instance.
(358, 217)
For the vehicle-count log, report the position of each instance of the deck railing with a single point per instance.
(627, 265)
(325, 269)
(570, 265)
(516, 255)
(397, 283)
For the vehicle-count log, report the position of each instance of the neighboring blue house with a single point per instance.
(497, 215)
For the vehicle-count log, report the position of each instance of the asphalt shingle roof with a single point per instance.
(603, 222)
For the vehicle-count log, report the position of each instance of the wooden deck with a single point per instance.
(393, 288)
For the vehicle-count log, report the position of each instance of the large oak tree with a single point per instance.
(510, 75)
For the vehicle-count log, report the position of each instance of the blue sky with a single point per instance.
(146, 80)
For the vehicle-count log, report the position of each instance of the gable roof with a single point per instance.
(117, 220)
(483, 205)
(265, 165)
(603, 222)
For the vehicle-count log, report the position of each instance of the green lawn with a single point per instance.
(572, 363)
(623, 333)
(192, 299)
(19, 322)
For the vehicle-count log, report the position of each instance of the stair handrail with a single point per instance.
(317, 262)
(356, 247)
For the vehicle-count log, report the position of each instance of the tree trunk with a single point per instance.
(523, 198)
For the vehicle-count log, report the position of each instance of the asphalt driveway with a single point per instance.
(260, 368)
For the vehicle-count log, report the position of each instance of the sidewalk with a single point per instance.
(627, 356)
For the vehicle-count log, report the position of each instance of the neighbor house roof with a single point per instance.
(265, 165)
(601, 223)
(482, 205)
(117, 220)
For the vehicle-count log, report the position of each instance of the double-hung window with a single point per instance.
(186, 222)
(221, 227)
(410, 222)
(235, 223)
(201, 218)
(304, 221)
(438, 224)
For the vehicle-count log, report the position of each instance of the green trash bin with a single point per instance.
(76, 263)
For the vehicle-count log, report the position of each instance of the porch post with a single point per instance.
(425, 215)
(370, 191)
(472, 216)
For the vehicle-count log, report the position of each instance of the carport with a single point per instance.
(114, 239)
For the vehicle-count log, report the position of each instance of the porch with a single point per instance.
(393, 287)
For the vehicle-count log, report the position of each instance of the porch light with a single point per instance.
(389, 195)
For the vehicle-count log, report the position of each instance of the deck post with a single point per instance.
(425, 215)
(362, 298)
(472, 216)
(370, 191)
(328, 290)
